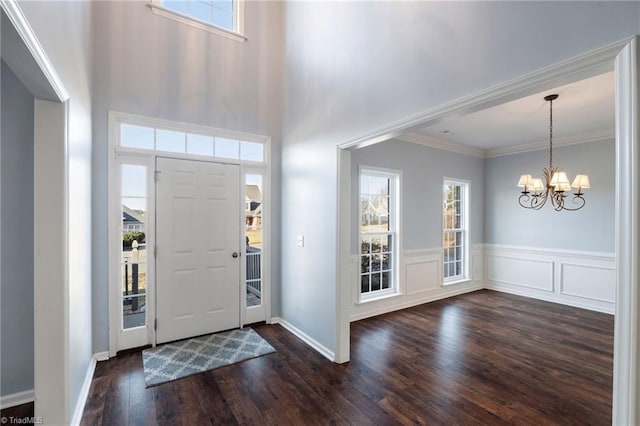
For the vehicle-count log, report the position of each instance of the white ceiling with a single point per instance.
(583, 111)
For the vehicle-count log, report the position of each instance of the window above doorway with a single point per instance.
(211, 143)
(222, 17)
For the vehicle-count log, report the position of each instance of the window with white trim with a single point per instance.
(378, 232)
(192, 144)
(215, 15)
(455, 232)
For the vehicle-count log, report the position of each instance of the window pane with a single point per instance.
(365, 263)
(364, 213)
(136, 136)
(253, 237)
(364, 283)
(376, 263)
(226, 148)
(223, 19)
(375, 282)
(365, 245)
(168, 140)
(199, 144)
(200, 10)
(181, 6)
(386, 280)
(134, 277)
(251, 151)
(226, 5)
(133, 311)
(134, 181)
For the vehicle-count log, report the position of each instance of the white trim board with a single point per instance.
(15, 399)
(323, 350)
(86, 386)
(28, 36)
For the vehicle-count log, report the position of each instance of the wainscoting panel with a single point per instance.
(592, 282)
(421, 271)
(571, 277)
(531, 273)
(420, 275)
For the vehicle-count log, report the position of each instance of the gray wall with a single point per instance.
(352, 67)
(16, 313)
(153, 66)
(421, 201)
(591, 229)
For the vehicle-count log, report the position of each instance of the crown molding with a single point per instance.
(604, 135)
(432, 142)
(472, 151)
(28, 36)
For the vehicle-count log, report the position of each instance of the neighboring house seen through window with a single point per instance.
(378, 222)
(455, 230)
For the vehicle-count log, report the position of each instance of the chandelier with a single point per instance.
(556, 188)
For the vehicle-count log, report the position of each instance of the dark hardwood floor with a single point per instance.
(484, 358)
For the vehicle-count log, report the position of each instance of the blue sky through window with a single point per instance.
(218, 13)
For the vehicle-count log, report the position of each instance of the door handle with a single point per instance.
(235, 254)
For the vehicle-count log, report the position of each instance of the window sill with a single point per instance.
(377, 298)
(188, 20)
(460, 281)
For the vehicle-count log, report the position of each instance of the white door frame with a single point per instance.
(622, 57)
(116, 152)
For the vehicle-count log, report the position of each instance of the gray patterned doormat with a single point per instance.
(175, 360)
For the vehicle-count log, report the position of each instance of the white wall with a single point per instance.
(16, 309)
(67, 44)
(150, 65)
(353, 67)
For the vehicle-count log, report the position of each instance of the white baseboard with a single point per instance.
(550, 298)
(14, 399)
(86, 386)
(101, 356)
(456, 290)
(323, 350)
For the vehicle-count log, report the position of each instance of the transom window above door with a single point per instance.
(193, 144)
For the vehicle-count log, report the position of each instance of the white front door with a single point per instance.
(198, 246)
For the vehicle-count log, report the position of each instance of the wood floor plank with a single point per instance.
(480, 358)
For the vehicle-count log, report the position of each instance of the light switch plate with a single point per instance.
(300, 240)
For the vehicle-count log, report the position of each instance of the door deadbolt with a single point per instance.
(235, 254)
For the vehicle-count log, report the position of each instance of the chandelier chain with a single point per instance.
(550, 134)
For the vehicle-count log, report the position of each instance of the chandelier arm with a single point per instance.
(532, 202)
(578, 200)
